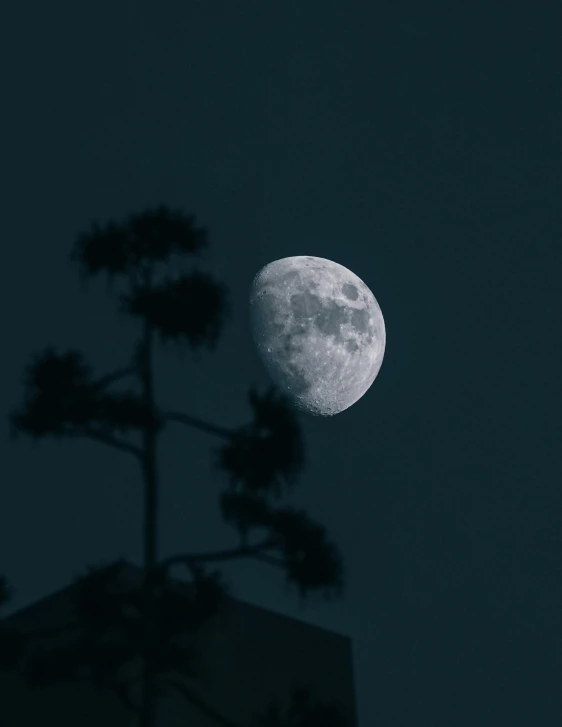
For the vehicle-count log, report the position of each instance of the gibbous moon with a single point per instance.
(319, 332)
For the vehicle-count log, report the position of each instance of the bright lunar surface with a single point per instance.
(319, 332)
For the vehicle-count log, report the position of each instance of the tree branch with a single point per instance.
(108, 439)
(270, 560)
(252, 551)
(115, 376)
(190, 421)
(202, 704)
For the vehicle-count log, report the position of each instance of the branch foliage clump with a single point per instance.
(125, 248)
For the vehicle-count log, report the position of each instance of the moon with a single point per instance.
(318, 330)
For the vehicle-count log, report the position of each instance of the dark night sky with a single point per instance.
(419, 145)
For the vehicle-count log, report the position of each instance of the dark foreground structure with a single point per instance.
(249, 657)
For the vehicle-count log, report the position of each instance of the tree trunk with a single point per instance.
(148, 713)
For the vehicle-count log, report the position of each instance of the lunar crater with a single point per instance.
(350, 291)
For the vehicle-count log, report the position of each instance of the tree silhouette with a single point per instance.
(262, 460)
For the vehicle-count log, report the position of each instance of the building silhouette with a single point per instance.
(249, 656)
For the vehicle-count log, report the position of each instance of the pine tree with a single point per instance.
(146, 254)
